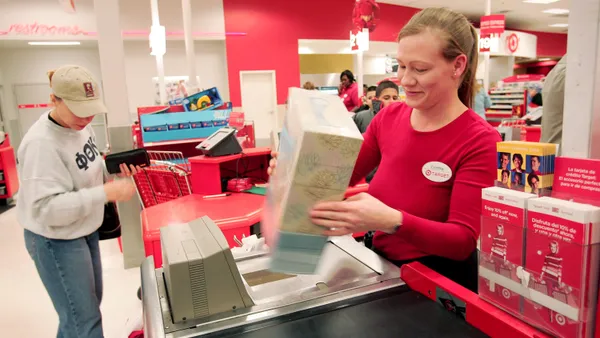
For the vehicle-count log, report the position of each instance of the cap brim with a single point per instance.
(86, 108)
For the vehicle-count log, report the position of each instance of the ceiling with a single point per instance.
(519, 15)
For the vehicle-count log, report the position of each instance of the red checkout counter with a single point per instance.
(402, 312)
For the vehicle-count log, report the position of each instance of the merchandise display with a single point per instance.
(526, 166)
(562, 265)
(206, 99)
(502, 253)
(318, 148)
(171, 123)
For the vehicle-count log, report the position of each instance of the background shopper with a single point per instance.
(420, 217)
(482, 101)
(348, 91)
(554, 97)
(386, 93)
(367, 99)
(61, 200)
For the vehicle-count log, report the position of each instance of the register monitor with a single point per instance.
(221, 143)
(201, 275)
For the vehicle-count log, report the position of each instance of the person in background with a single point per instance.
(554, 95)
(386, 93)
(367, 99)
(535, 95)
(61, 200)
(482, 101)
(431, 212)
(309, 86)
(348, 91)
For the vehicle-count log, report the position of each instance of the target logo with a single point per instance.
(428, 173)
(512, 42)
(506, 293)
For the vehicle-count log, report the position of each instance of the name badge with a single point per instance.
(437, 171)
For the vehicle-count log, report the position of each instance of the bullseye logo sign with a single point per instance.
(512, 42)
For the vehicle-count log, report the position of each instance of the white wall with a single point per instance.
(500, 67)
(30, 65)
(207, 15)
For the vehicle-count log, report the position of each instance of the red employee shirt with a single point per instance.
(439, 218)
(350, 96)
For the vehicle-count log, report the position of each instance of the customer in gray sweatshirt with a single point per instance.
(61, 200)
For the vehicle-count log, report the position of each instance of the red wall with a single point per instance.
(550, 44)
(273, 28)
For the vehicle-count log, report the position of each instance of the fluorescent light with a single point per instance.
(556, 11)
(544, 59)
(54, 43)
(559, 25)
(541, 2)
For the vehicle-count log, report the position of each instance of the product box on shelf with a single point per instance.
(205, 100)
(164, 124)
(526, 166)
(561, 269)
(502, 242)
(318, 148)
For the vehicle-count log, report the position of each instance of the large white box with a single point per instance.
(318, 147)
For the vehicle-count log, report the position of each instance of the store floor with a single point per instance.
(26, 310)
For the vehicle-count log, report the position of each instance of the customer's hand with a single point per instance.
(272, 163)
(119, 190)
(128, 171)
(358, 213)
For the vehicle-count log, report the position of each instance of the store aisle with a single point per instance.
(26, 310)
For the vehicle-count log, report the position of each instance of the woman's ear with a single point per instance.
(460, 65)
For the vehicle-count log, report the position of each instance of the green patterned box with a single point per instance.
(318, 148)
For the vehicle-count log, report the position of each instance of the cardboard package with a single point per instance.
(562, 250)
(526, 166)
(503, 219)
(318, 148)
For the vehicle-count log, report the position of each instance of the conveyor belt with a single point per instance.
(394, 313)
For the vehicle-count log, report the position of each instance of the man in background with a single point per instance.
(554, 104)
(386, 93)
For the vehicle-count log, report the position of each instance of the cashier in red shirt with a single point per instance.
(349, 91)
(434, 153)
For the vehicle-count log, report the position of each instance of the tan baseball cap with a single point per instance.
(78, 89)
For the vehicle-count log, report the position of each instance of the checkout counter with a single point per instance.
(355, 293)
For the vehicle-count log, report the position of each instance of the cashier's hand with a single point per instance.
(128, 171)
(272, 163)
(358, 213)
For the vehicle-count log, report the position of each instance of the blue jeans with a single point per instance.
(72, 274)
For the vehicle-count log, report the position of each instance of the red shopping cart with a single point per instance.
(166, 179)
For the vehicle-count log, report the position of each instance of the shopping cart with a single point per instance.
(560, 294)
(166, 179)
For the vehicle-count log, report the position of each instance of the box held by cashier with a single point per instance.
(318, 148)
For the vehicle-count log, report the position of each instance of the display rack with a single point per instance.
(505, 104)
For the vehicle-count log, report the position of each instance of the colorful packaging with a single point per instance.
(502, 246)
(561, 270)
(526, 166)
(318, 148)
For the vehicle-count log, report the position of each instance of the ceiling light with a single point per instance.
(54, 43)
(556, 11)
(559, 25)
(541, 2)
(544, 59)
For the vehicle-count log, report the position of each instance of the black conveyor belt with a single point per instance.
(395, 313)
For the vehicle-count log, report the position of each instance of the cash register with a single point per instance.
(221, 143)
